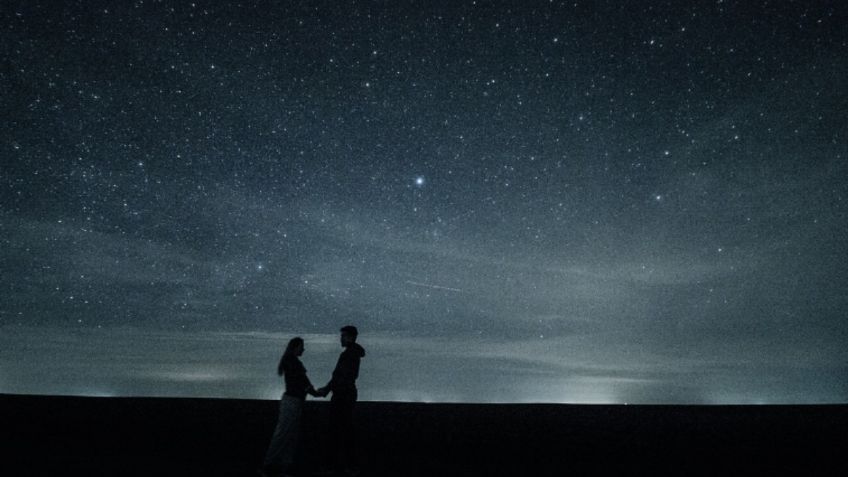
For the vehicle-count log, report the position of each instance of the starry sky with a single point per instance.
(534, 201)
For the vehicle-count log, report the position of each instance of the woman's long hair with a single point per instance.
(293, 343)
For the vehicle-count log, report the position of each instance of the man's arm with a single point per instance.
(328, 388)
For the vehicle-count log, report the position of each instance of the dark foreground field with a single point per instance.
(124, 436)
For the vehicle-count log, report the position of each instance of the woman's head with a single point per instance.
(295, 346)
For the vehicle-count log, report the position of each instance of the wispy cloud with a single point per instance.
(410, 368)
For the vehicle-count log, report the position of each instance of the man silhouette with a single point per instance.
(343, 387)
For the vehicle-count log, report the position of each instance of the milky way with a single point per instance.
(529, 201)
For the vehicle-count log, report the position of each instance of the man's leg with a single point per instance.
(351, 461)
(343, 436)
(336, 433)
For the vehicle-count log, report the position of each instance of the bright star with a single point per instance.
(419, 181)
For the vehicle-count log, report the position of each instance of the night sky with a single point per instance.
(515, 202)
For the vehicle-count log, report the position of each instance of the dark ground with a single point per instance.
(135, 436)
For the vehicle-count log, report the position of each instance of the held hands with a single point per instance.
(319, 393)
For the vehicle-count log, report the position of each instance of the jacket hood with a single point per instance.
(356, 349)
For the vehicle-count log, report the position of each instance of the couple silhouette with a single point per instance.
(281, 451)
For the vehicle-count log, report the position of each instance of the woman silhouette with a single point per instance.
(281, 450)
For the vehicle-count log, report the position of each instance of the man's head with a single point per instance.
(349, 334)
